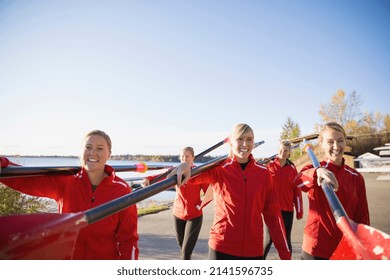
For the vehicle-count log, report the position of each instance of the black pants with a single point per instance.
(215, 255)
(187, 233)
(288, 218)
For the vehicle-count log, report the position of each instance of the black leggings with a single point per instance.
(215, 255)
(187, 233)
(288, 218)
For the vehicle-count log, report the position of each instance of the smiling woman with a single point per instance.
(97, 151)
(96, 183)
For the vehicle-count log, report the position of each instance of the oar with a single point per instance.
(293, 141)
(359, 241)
(198, 156)
(132, 179)
(311, 137)
(53, 236)
(52, 170)
(265, 160)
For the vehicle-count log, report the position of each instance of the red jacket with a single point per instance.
(241, 198)
(321, 235)
(187, 200)
(114, 237)
(288, 194)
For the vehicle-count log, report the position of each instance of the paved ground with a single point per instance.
(157, 241)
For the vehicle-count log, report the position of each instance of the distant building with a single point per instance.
(368, 160)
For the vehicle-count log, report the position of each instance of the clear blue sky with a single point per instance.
(160, 75)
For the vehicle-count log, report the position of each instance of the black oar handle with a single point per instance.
(210, 149)
(163, 175)
(333, 200)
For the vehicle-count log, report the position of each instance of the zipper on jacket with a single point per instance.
(93, 193)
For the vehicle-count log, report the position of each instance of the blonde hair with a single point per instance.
(286, 143)
(190, 149)
(102, 134)
(334, 126)
(237, 131)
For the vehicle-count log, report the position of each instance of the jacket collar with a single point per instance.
(109, 170)
(250, 158)
(331, 163)
(288, 161)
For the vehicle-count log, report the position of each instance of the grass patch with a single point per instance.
(152, 209)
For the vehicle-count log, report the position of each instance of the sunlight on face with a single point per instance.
(96, 153)
(333, 144)
(186, 156)
(242, 146)
(283, 152)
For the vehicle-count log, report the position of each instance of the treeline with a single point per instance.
(367, 142)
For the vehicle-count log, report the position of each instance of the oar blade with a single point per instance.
(40, 236)
(369, 243)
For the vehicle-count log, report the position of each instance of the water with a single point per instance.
(163, 197)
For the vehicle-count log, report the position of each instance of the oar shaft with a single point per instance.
(163, 175)
(210, 149)
(274, 156)
(333, 200)
(55, 170)
(102, 211)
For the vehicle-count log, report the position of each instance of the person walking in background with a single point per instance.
(243, 193)
(187, 216)
(283, 172)
(114, 237)
(321, 234)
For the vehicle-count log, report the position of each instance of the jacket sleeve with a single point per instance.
(273, 219)
(44, 186)
(5, 162)
(204, 178)
(306, 179)
(127, 234)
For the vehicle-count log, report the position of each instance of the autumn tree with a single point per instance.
(343, 109)
(386, 123)
(370, 129)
